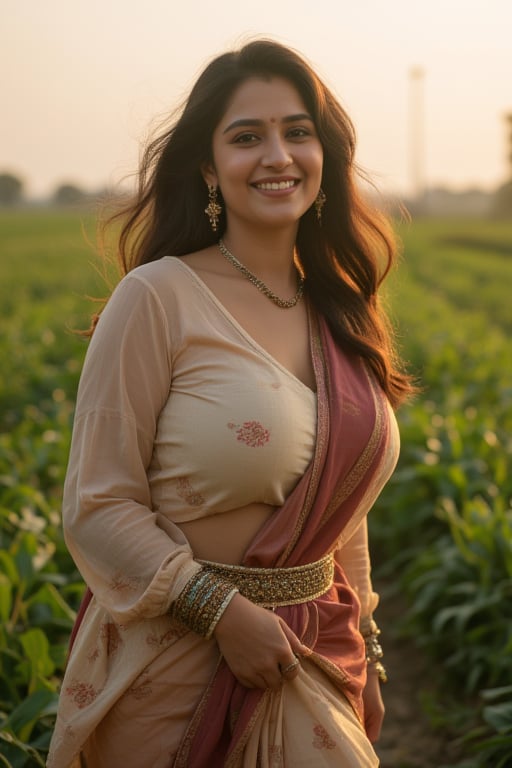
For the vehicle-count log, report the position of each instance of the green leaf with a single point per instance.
(491, 694)
(24, 556)
(8, 567)
(47, 604)
(37, 651)
(5, 598)
(499, 717)
(29, 711)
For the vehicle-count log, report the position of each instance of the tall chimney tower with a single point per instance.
(416, 134)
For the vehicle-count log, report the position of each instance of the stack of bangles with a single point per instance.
(202, 603)
(370, 632)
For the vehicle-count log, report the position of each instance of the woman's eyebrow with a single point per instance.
(245, 122)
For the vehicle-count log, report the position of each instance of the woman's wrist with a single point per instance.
(201, 603)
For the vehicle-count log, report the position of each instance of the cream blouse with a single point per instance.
(180, 414)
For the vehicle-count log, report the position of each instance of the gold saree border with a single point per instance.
(181, 759)
(367, 457)
(322, 430)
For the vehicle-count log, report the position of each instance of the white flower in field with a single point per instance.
(58, 395)
(434, 445)
(44, 553)
(54, 517)
(490, 437)
(51, 436)
(430, 459)
(30, 521)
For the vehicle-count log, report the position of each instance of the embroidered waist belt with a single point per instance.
(273, 587)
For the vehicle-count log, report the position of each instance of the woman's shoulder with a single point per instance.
(165, 277)
(166, 269)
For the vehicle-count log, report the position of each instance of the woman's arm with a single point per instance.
(354, 557)
(134, 561)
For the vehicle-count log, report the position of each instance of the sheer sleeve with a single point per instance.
(135, 561)
(354, 557)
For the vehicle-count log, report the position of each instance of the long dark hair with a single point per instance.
(344, 260)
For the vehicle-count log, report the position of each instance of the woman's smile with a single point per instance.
(278, 185)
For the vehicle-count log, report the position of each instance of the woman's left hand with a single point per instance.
(373, 706)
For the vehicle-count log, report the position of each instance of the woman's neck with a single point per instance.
(267, 253)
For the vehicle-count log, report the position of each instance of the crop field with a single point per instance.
(441, 531)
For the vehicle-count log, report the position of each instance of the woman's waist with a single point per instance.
(224, 537)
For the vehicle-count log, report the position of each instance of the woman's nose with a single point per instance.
(276, 153)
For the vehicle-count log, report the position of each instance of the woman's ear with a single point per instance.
(209, 175)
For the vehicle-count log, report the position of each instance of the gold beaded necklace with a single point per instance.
(260, 285)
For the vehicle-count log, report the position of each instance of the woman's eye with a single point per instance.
(298, 133)
(245, 138)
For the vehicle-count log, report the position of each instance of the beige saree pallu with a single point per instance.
(169, 687)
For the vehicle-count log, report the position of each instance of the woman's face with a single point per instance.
(267, 157)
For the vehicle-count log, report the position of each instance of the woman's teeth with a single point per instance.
(276, 185)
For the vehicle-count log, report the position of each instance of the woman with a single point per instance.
(233, 428)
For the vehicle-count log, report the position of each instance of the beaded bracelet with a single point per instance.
(380, 670)
(374, 653)
(201, 603)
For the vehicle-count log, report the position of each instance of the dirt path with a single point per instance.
(408, 739)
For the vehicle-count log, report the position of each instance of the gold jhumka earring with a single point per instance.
(319, 204)
(213, 209)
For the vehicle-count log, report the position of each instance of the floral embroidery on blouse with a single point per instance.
(93, 655)
(82, 694)
(322, 739)
(252, 433)
(166, 638)
(187, 493)
(122, 583)
(109, 632)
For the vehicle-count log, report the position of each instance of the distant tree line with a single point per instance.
(11, 189)
(435, 202)
(12, 192)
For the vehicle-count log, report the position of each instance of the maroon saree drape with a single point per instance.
(351, 439)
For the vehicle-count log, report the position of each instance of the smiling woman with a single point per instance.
(233, 428)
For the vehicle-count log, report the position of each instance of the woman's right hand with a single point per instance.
(257, 645)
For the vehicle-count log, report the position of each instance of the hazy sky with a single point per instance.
(82, 80)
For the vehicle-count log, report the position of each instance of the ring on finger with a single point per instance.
(291, 666)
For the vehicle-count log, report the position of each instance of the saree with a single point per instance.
(346, 474)
(233, 726)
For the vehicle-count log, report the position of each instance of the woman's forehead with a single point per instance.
(270, 99)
